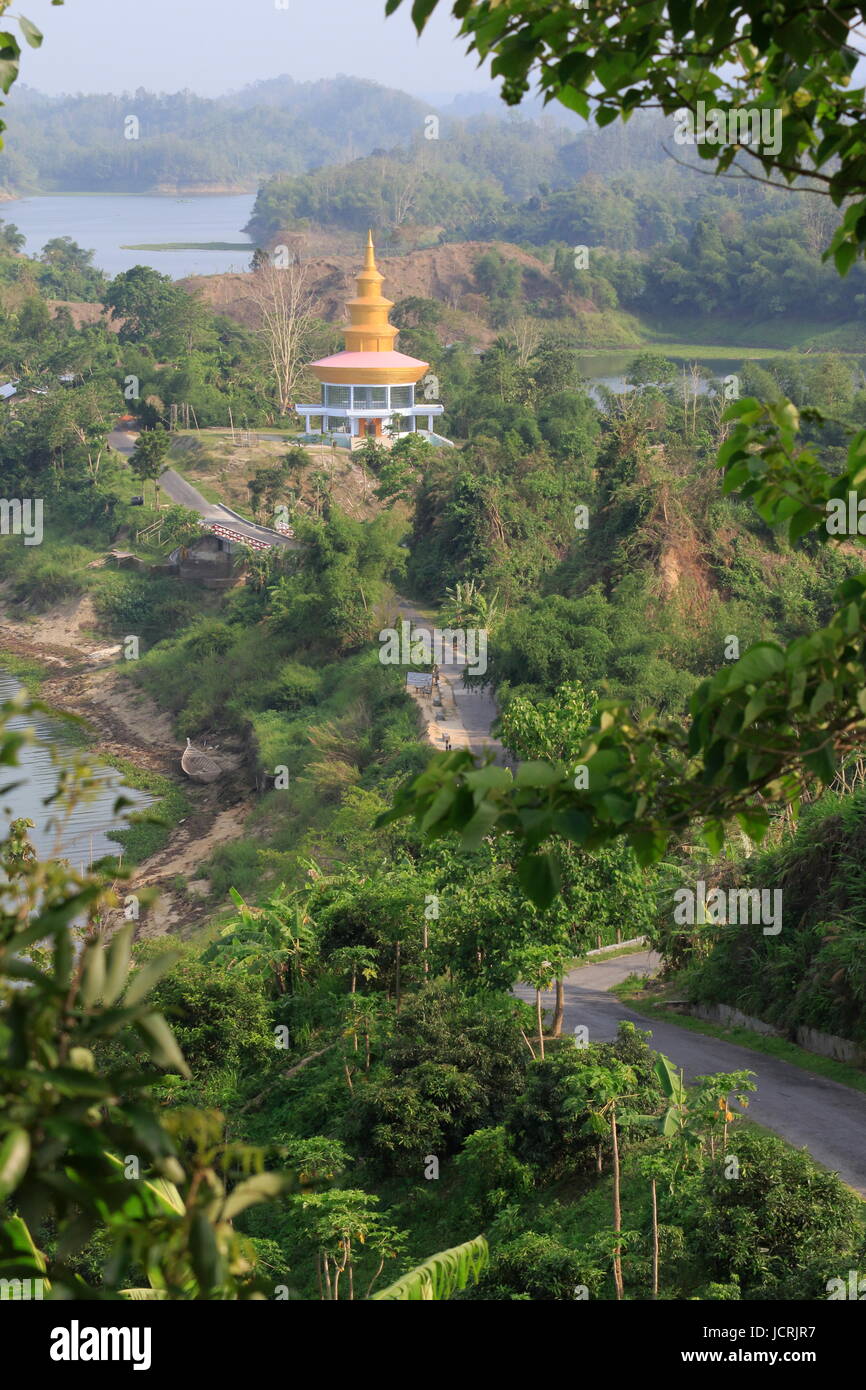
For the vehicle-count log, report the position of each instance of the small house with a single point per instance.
(215, 559)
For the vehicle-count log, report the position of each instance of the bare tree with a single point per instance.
(282, 296)
(526, 338)
(819, 222)
(405, 183)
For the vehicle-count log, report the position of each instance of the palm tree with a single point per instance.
(603, 1090)
(466, 605)
(539, 974)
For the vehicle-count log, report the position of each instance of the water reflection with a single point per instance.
(84, 834)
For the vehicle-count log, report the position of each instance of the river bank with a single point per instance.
(61, 663)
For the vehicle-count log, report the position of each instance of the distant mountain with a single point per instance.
(185, 142)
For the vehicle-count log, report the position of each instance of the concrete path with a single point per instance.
(809, 1111)
(182, 492)
(475, 710)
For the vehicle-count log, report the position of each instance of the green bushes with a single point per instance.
(781, 1228)
(144, 605)
(296, 686)
(219, 1017)
(549, 1132)
(41, 575)
(813, 973)
(490, 1175)
(539, 1269)
(451, 1066)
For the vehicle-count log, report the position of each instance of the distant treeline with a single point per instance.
(85, 143)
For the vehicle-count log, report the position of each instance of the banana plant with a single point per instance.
(442, 1275)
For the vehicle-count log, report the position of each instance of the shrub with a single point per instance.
(490, 1175)
(783, 1227)
(538, 1268)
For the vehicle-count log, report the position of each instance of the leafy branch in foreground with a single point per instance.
(10, 50)
(85, 1148)
(791, 61)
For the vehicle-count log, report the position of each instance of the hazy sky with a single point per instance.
(214, 46)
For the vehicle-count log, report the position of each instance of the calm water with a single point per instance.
(105, 222)
(87, 829)
(609, 368)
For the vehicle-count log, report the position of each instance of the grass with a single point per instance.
(26, 669)
(654, 1004)
(147, 831)
(683, 334)
(611, 953)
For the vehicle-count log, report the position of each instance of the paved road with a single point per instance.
(179, 490)
(807, 1110)
(476, 709)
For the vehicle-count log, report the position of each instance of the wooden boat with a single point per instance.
(198, 765)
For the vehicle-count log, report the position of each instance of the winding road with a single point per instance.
(809, 1111)
(179, 490)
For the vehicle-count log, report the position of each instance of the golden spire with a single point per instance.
(368, 329)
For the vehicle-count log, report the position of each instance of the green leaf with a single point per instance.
(150, 974)
(490, 778)
(14, 1160)
(538, 878)
(761, 661)
(203, 1252)
(93, 975)
(30, 32)
(442, 1275)
(537, 774)
(119, 957)
(8, 73)
(261, 1188)
(163, 1045)
(481, 824)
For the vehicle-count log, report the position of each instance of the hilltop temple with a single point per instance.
(368, 389)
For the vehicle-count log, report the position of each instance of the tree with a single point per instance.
(141, 297)
(34, 319)
(284, 303)
(467, 605)
(68, 271)
(650, 368)
(538, 972)
(796, 60)
(10, 237)
(600, 1093)
(147, 459)
(275, 940)
(181, 526)
(339, 1222)
(267, 484)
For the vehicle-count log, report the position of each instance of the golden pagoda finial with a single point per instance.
(368, 329)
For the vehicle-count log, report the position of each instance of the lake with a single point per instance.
(106, 222)
(609, 368)
(85, 834)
